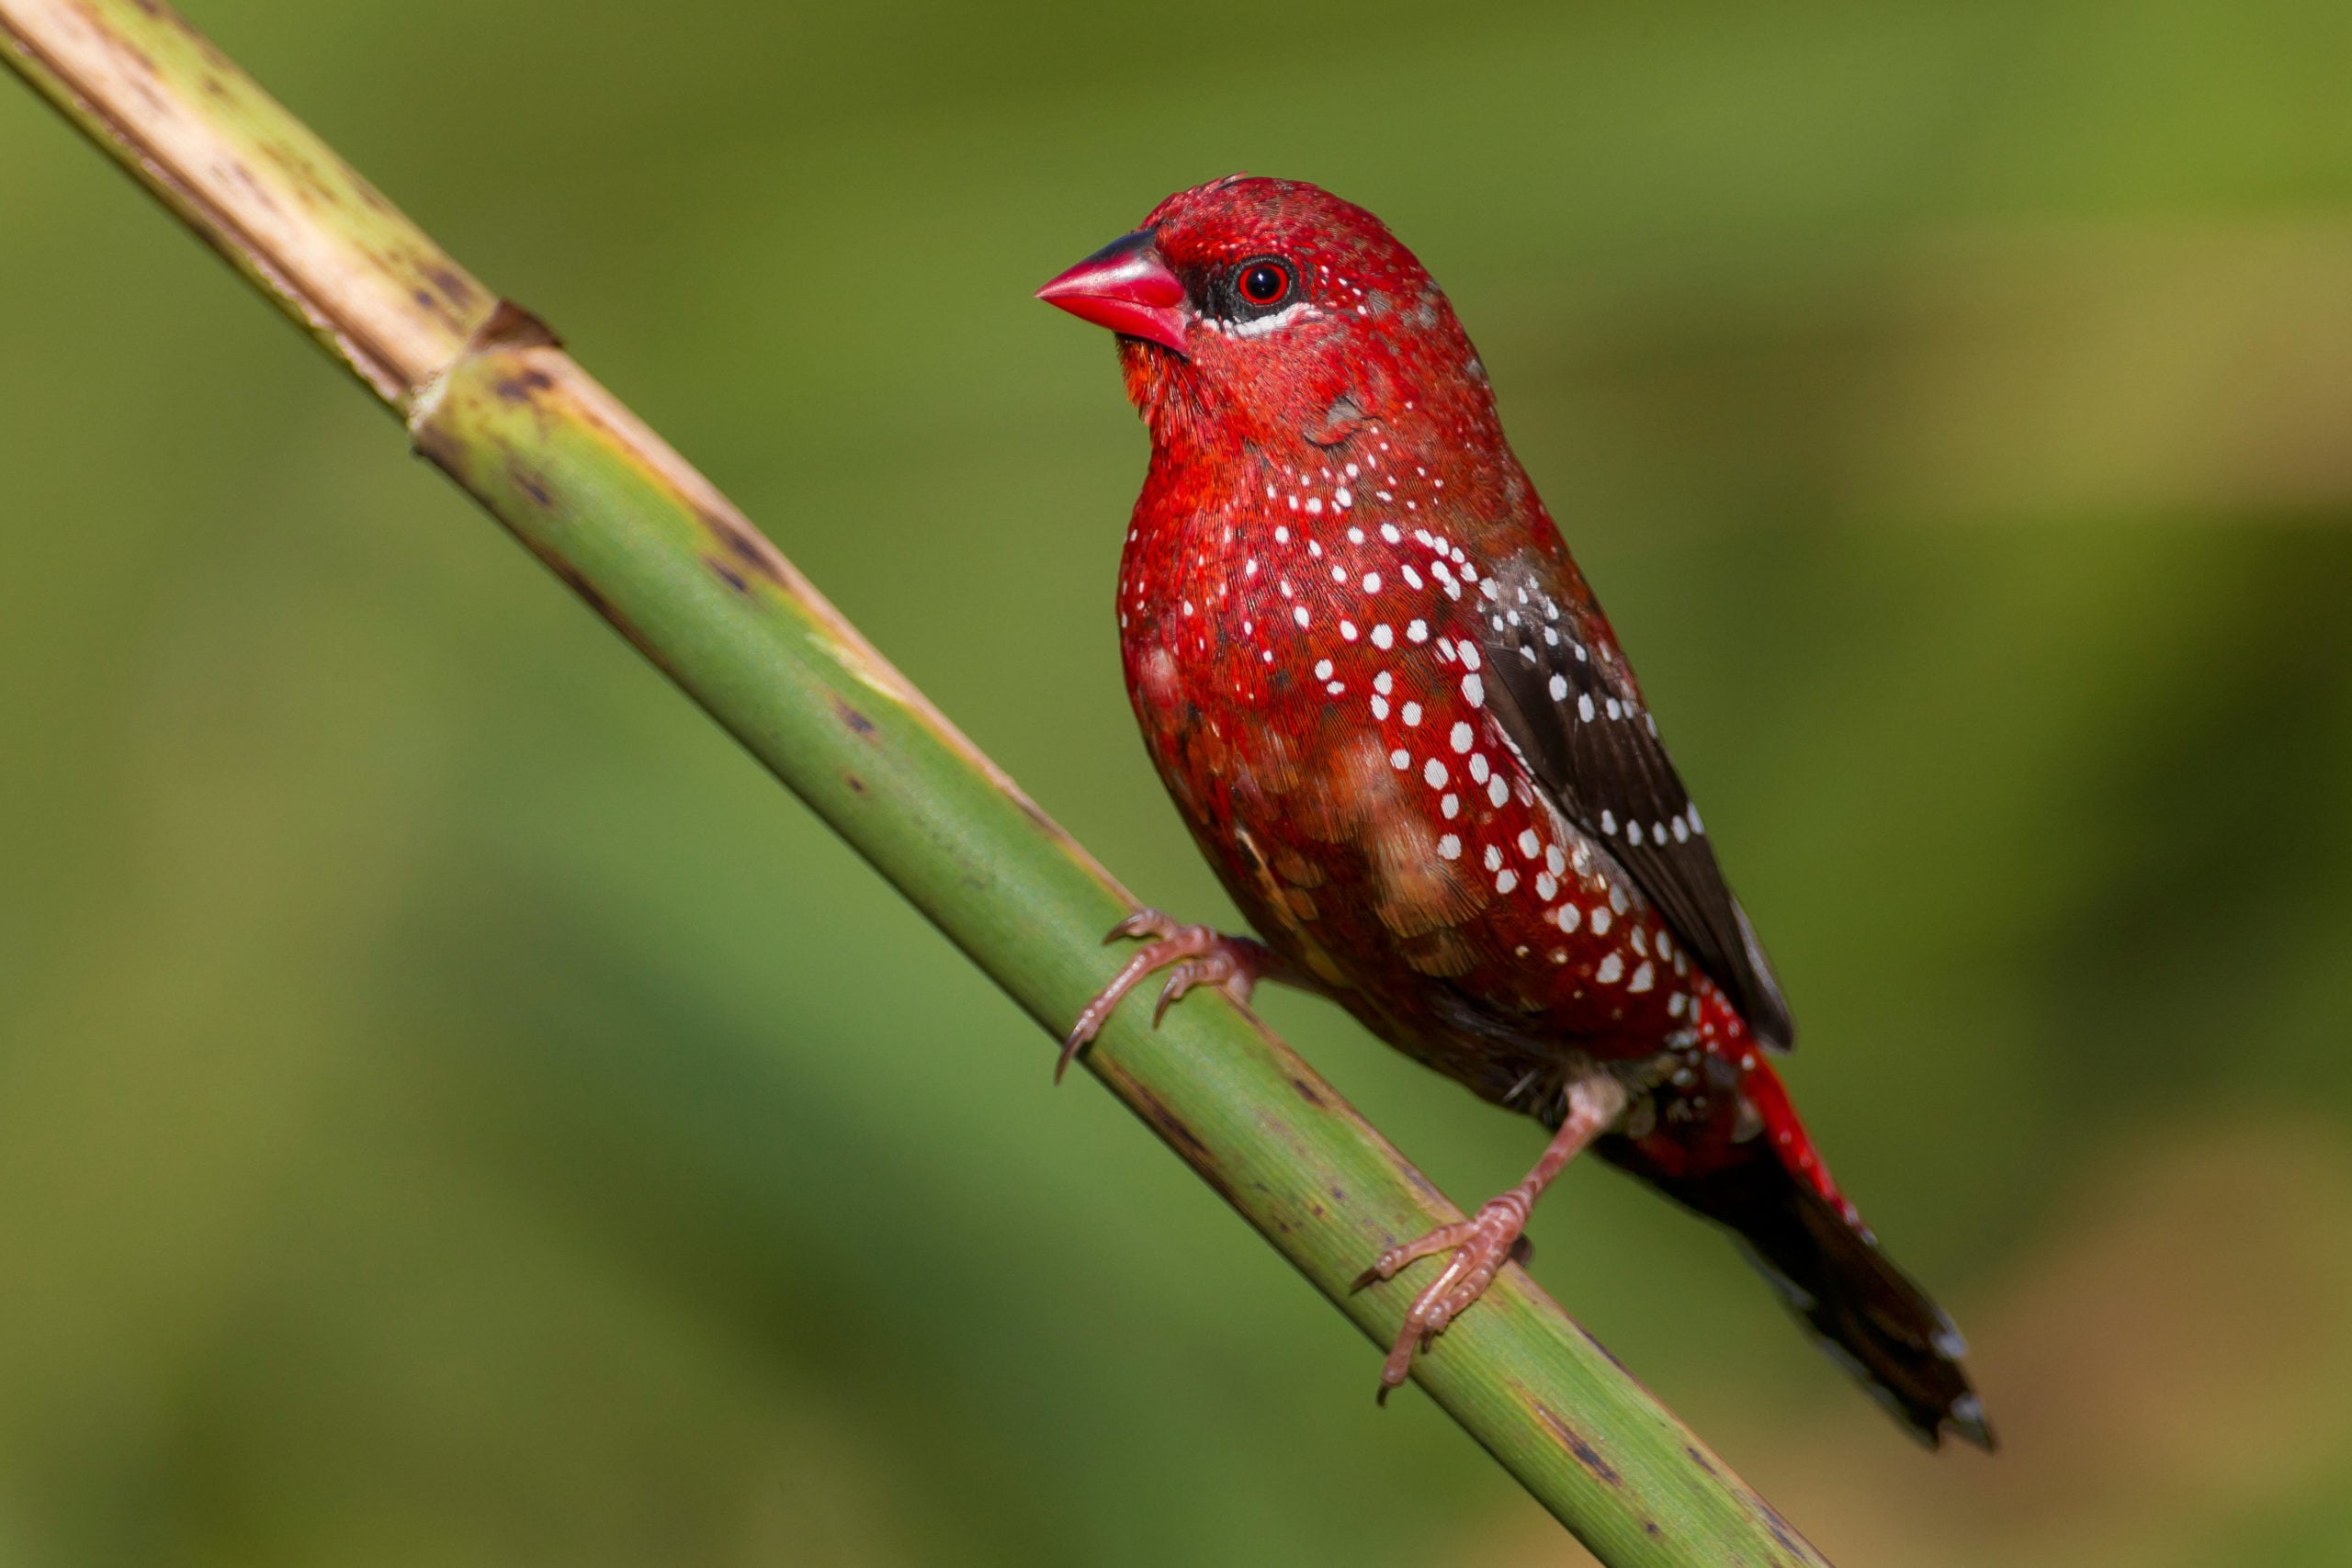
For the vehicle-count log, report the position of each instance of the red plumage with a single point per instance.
(1402, 731)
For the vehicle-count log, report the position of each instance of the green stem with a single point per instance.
(489, 396)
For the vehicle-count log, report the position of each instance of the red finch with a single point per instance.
(1402, 731)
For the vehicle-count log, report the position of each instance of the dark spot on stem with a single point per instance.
(1307, 1092)
(258, 192)
(858, 721)
(302, 175)
(533, 485)
(1790, 1541)
(456, 290)
(1590, 1457)
(1177, 1131)
(1586, 1455)
(856, 784)
(1423, 1184)
(522, 386)
(1607, 1354)
(1699, 1458)
(743, 544)
(586, 589)
(727, 575)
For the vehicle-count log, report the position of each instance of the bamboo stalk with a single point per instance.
(489, 396)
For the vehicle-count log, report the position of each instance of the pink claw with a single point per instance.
(1202, 956)
(1480, 1246)
(1488, 1239)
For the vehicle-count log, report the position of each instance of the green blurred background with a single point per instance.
(455, 1109)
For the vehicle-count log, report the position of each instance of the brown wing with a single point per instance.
(1566, 700)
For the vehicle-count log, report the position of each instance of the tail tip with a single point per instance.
(1965, 1418)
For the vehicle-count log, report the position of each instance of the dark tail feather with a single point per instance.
(1864, 1313)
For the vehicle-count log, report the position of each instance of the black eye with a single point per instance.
(1264, 283)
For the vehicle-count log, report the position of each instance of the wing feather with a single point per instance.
(1565, 698)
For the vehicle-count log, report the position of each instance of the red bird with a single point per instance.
(1405, 736)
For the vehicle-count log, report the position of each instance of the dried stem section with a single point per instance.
(489, 396)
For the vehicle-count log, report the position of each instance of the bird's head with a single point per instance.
(1271, 311)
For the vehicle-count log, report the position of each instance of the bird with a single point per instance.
(1388, 705)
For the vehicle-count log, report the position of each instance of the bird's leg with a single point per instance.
(1482, 1244)
(1201, 956)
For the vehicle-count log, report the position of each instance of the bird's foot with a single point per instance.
(1201, 956)
(1493, 1237)
(1480, 1246)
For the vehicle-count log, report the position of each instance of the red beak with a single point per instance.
(1126, 288)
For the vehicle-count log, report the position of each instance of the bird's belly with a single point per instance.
(1470, 926)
